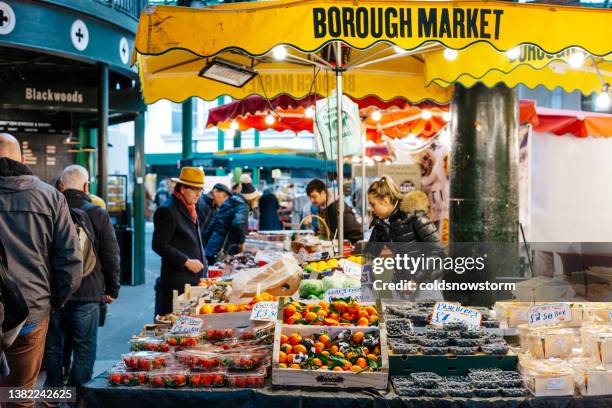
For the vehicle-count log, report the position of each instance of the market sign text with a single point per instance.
(392, 22)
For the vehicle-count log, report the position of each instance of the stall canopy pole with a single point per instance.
(363, 188)
(339, 140)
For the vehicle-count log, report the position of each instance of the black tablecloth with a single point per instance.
(98, 393)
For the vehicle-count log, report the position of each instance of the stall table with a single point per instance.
(98, 393)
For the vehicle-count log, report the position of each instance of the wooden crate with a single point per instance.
(447, 365)
(325, 378)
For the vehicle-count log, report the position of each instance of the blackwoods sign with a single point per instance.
(403, 22)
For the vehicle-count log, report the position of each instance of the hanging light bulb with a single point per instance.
(377, 158)
(426, 114)
(446, 116)
(603, 99)
(279, 52)
(234, 125)
(309, 112)
(269, 120)
(576, 59)
(376, 116)
(450, 54)
(514, 53)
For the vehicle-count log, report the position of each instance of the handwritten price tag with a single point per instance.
(451, 312)
(350, 268)
(549, 314)
(187, 325)
(267, 311)
(343, 293)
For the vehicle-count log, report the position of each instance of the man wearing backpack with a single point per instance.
(78, 320)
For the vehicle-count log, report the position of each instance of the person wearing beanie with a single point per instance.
(227, 230)
(248, 191)
(177, 239)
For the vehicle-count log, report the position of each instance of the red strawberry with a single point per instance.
(157, 381)
(115, 378)
(180, 379)
(195, 380)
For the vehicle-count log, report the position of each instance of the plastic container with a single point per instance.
(465, 392)
(434, 392)
(253, 379)
(462, 351)
(486, 392)
(426, 342)
(550, 342)
(212, 379)
(168, 378)
(400, 347)
(145, 360)
(149, 344)
(398, 327)
(183, 340)
(242, 361)
(257, 332)
(548, 378)
(510, 379)
(514, 392)
(119, 376)
(467, 342)
(496, 349)
(434, 351)
(199, 360)
(426, 379)
(214, 335)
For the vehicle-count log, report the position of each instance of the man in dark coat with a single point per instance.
(77, 322)
(268, 212)
(177, 239)
(327, 203)
(206, 210)
(43, 255)
(228, 228)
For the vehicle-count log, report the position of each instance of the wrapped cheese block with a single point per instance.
(511, 314)
(597, 312)
(592, 380)
(550, 342)
(548, 378)
(597, 343)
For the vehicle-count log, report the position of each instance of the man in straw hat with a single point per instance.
(177, 239)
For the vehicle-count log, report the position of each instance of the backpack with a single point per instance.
(85, 233)
(14, 307)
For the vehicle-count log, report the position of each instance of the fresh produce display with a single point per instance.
(242, 361)
(257, 332)
(210, 308)
(315, 288)
(149, 344)
(199, 360)
(214, 335)
(170, 378)
(204, 380)
(349, 350)
(119, 376)
(253, 379)
(338, 313)
(183, 340)
(330, 264)
(145, 360)
(483, 384)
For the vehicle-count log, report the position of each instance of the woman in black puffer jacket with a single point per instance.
(400, 223)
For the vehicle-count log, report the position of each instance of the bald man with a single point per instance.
(77, 322)
(43, 256)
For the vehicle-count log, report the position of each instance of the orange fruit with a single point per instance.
(373, 319)
(317, 362)
(371, 310)
(289, 310)
(319, 347)
(350, 355)
(333, 315)
(366, 351)
(377, 350)
(356, 368)
(324, 338)
(339, 354)
(363, 322)
(337, 368)
(325, 353)
(358, 337)
(295, 339)
(363, 313)
(282, 357)
(283, 339)
(331, 322)
(323, 368)
(289, 359)
(310, 316)
(322, 313)
(333, 349)
(324, 305)
(300, 348)
(361, 362)
(340, 306)
(347, 316)
(373, 357)
(286, 348)
(294, 318)
(282, 365)
(295, 366)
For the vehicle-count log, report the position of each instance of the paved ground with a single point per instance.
(133, 308)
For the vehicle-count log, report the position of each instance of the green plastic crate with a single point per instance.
(402, 365)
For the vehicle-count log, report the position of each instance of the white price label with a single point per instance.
(267, 311)
(187, 325)
(343, 293)
(556, 384)
(549, 314)
(352, 269)
(451, 312)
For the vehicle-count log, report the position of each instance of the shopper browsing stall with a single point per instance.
(268, 212)
(177, 239)
(325, 199)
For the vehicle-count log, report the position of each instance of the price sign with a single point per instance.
(350, 268)
(451, 312)
(267, 311)
(610, 316)
(549, 314)
(343, 293)
(187, 325)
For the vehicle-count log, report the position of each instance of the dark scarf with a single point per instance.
(190, 207)
(12, 168)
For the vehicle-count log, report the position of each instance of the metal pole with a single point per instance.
(139, 200)
(340, 155)
(187, 129)
(103, 131)
(364, 210)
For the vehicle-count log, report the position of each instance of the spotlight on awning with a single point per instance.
(227, 72)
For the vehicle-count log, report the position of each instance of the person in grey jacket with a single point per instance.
(44, 257)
